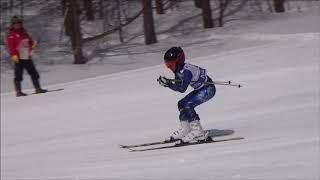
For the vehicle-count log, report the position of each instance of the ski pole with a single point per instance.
(226, 83)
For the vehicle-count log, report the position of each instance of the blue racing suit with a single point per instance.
(195, 77)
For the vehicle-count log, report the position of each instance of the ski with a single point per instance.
(147, 144)
(165, 141)
(49, 90)
(209, 140)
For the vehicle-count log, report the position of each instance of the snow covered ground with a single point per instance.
(74, 133)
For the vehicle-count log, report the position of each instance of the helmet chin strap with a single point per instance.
(179, 67)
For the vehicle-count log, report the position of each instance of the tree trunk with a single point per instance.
(101, 9)
(11, 5)
(68, 21)
(278, 6)
(63, 6)
(173, 4)
(76, 33)
(197, 3)
(159, 7)
(206, 14)
(149, 32)
(21, 8)
(119, 20)
(222, 7)
(89, 9)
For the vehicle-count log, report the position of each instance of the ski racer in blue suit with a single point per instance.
(187, 74)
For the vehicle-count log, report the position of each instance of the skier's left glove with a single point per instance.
(15, 58)
(163, 81)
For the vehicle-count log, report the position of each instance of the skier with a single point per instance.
(20, 45)
(187, 74)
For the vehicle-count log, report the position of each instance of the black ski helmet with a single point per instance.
(174, 58)
(15, 20)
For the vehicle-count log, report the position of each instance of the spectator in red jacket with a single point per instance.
(20, 46)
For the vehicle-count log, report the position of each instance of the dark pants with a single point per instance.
(32, 71)
(187, 104)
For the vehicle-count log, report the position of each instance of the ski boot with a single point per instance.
(181, 132)
(196, 133)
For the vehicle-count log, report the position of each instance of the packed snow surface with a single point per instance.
(75, 133)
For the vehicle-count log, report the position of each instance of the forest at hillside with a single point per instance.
(82, 23)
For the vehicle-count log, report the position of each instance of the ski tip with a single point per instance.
(238, 138)
(122, 146)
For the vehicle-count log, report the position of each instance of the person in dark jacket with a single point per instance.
(20, 46)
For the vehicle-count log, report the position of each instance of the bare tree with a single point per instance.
(21, 8)
(11, 5)
(159, 7)
(119, 20)
(101, 8)
(63, 6)
(68, 21)
(197, 3)
(149, 31)
(206, 14)
(72, 23)
(278, 6)
(89, 9)
(223, 4)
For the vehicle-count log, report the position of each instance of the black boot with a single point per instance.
(39, 90)
(36, 85)
(18, 94)
(17, 86)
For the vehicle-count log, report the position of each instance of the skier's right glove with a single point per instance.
(163, 81)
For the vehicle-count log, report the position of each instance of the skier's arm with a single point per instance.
(182, 87)
(12, 48)
(32, 44)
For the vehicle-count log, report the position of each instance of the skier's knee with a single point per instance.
(185, 105)
(183, 115)
(181, 104)
(18, 79)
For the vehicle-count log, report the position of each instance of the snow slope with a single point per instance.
(74, 133)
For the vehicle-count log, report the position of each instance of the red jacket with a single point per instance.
(16, 39)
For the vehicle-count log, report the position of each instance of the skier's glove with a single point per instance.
(15, 58)
(163, 81)
(34, 45)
